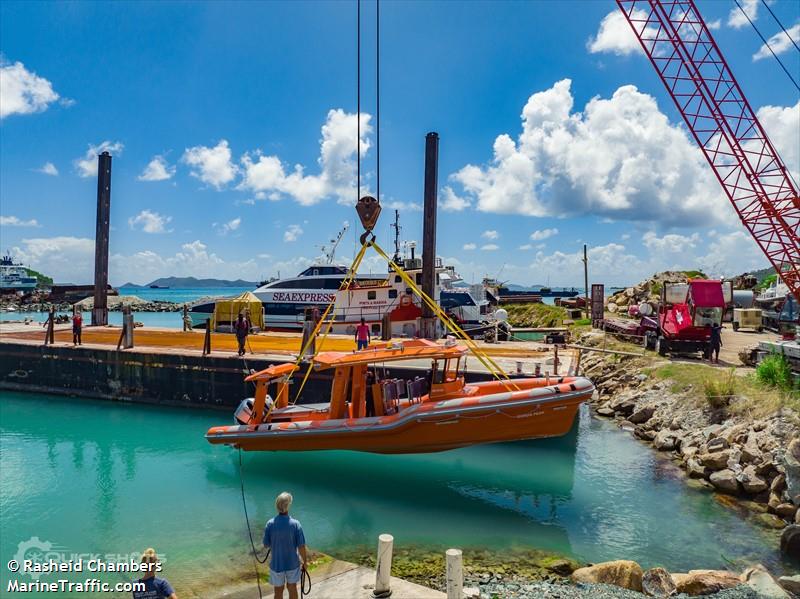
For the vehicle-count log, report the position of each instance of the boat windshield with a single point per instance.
(446, 371)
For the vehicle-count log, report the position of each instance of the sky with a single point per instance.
(234, 134)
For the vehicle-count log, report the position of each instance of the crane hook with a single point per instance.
(368, 209)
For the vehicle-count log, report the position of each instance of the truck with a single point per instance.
(685, 316)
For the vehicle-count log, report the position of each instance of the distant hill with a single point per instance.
(762, 274)
(192, 282)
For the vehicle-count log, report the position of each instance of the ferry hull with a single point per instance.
(426, 427)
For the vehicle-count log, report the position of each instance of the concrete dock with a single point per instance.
(167, 366)
(339, 580)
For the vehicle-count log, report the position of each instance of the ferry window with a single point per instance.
(316, 272)
(392, 293)
(408, 291)
(371, 295)
(419, 278)
(397, 278)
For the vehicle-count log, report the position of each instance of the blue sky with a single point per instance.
(207, 107)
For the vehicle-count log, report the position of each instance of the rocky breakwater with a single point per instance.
(753, 463)
(648, 291)
(137, 304)
(115, 303)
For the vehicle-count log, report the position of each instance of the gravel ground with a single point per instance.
(548, 590)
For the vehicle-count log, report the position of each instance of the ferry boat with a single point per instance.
(436, 412)
(15, 277)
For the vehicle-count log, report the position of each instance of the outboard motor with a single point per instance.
(244, 412)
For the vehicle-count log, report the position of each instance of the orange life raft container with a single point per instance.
(434, 413)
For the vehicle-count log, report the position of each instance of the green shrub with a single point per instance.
(720, 392)
(774, 371)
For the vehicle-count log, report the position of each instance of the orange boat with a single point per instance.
(426, 414)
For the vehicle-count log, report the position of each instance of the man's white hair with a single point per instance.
(283, 502)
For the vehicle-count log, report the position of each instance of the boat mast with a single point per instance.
(396, 226)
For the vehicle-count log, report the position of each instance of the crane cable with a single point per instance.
(766, 43)
(774, 16)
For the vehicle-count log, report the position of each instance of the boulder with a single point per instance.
(605, 411)
(778, 484)
(665, 440)
(774, 501)
(621, 573)
(705, 582)
(797, 517)
(716, 460)
(791, 583)
(717, 443)
(725, 481)
(790, 541)
(769, 521)
(786, 510)
(751, 482)
(751, 452)
(791, 462)
(642, 415)
(657, 582)
(695, 469)
(761, 581)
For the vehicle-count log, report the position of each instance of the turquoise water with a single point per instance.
(172, 320)
(99, 477)
(182, 295)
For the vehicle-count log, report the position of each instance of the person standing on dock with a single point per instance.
(154, 587)
(242, 329)
(77, 327)
(715, 343)
(284, 537)
(362, 335)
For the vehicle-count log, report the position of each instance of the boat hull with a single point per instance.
(426, 427)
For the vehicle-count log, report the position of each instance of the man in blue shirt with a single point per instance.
(284, 537)
(154, 587)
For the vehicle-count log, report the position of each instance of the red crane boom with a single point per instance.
(689, 62)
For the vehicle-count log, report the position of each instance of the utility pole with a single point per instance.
(100, 311)
(428, 322)
(586, 280)
(396, 226)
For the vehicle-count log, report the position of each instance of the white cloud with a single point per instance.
(157, 170)
(732, 254)
(23, 92)
(229, 227)
(490, 234)
(737, 20)
(620, 158)
(490, 247)
(615, 35)
(543, 234)
(670, 243)
(66, 259)
(292, 233)
(713, 25)
(782, 125)
(470, 246)
(526, 246)
(337, 176)
(211, 165)
(451, 201)
(87, 166)
(779, 43)
(13, 221)
(150, 222)
(48, 168)
(402, 206)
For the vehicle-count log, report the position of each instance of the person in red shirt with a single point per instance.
(362, 335)
(77, 325)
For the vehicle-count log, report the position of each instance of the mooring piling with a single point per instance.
(455, 574)
(383, 566)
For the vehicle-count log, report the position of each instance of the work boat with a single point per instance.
(420, 415)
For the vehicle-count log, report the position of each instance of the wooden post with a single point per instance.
(383, 569)
(586, 281)
(578, 363)
(207, 340)
(555, 359)
(455, 574)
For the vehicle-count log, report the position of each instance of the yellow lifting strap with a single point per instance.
(345, 284)
(490, 364)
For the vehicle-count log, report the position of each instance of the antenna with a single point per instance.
(396, 226)
(329, 254)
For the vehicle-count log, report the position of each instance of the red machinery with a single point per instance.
(680, 46)
(685, 315)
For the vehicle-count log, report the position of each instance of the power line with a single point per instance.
(774, 16)
(746, 16)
